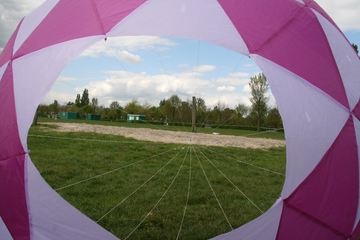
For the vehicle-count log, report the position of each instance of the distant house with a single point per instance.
(68, 115)
(93, 117)
(135, 117)
(53, 115)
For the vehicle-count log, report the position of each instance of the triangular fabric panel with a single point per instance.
(357, 132)
(182, 18)
(13, 201)
(31, 21)
(263, 227)
(324, 189)
(274, 37)
(346, 60)
(7, 52)
(312, 121)
(81, 20)
(10, 145)
(45, 69)
(4, 232)
(54, 218)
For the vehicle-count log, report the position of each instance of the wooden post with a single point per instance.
(193, 114)
(35, 119)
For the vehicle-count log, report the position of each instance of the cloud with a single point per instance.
(235, 79)
(204, 68)
(130, 58)
(121, 47)
(11, 12)
(345, 13)
(62, 97)
(226, 89)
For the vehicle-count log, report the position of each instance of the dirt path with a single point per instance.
(172, 137)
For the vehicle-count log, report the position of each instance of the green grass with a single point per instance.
(155, 177)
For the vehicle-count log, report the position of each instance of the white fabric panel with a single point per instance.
(357, 132)
(263, 227)
(44, 66)
(182, 18)
(4, 232)
(346, 58)
(51, 217)
(300, 1)
(31, 21)
(2, 69)
(312, 121)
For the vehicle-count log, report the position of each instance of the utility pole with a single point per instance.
(193, 129)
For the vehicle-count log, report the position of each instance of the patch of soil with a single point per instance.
(146, 134)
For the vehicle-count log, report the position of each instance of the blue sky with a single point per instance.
(153, 68)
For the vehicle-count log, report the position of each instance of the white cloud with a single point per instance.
(235, 79)
(226, 89)
(62, 97)
(130, 58)
(345, 13)
(204, 68)
(121, 47)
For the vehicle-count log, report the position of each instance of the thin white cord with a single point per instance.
(242, 193)
(139, 187)
(166, 191)
(187, 199)
(252, 165)
(103, 174)
(214, 192)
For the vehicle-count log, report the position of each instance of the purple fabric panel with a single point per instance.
(296, 225)
(316, 7)
(330, 193)
(356, 110)
(66, 21)
(10, 144)
(7, 52)
(13, 206)
(293, 39)
(112, 11)
(75, 19)
(356, 232)
(257, 20)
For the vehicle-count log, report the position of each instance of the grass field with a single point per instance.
(147, 190)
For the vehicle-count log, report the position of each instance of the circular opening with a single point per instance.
(149, 189)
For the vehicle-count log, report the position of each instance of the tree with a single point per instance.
(242, 110)
(175, 103)
(259, 86)
(84, 98)
(54, 107)
(162, 103)
(114, 105)
(219, 110)
(94, 103)
(356, 48)
(77, 100)
(133, 107)
(273, 119)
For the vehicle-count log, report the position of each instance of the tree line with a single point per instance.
(175, 110)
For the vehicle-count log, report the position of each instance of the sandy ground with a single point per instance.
(173, 137)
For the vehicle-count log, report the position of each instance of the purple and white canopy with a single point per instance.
(313, 71)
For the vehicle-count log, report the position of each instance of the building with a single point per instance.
(93, 117)
(135, 117)
(68, 115)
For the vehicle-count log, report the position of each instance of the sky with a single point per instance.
(154, 68)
